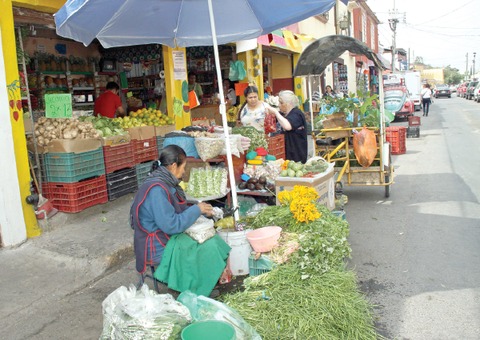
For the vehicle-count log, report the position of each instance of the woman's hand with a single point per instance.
(205, 208)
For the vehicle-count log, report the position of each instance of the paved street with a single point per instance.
(417, 253)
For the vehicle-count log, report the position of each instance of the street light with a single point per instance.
(474, 54)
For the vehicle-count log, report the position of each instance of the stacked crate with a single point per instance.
(413, 129)
(120, 168)
(75, 181)
(396, 136)
(276, 146)
(142, 170)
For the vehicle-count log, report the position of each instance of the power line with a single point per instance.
(448, 13)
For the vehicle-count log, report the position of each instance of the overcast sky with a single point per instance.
(441, 32)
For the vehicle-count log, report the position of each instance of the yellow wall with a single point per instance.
(18, 130)
(46, 6)
(281, 66)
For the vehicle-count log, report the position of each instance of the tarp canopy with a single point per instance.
(322, 52)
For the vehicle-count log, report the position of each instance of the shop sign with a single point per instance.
(58, 105)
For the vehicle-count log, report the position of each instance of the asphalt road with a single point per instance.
(417, 253)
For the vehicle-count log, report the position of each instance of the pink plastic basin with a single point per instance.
(264, 239)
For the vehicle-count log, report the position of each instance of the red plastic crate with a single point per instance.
(276, 146)
(397, 136)
(414, 121)
(145, 150)
(75, 197)
(118, 157)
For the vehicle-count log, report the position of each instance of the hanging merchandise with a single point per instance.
(237, 70)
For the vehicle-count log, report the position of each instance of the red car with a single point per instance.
(461, 89)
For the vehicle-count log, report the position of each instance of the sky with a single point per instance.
(441, 32)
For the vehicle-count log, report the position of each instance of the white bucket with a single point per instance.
(238, 259)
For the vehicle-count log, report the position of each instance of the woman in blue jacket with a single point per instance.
(160, 210)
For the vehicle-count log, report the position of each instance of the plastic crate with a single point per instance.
(75, 197)
(160, 140)
(414, 121)
(121, 182)
(396, 136)
(142, 170)
(260, 266)
(413, 132)
(145, 150)
(72, 167)
(276, 146)
(118, 157)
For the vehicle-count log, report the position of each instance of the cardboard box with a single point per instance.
(324, 185)
(164, 129)
(142, 132)
(116, 140)
(74, 145)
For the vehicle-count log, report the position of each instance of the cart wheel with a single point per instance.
(387, 187)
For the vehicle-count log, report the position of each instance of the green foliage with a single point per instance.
(452, 75)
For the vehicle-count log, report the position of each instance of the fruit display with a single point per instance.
(310, 169)
(106, 127)
(47, 129)
(144, 117)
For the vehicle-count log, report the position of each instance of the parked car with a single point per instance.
(453, 88)
(397, 100)
(442, 91)
(469, 91)
(461, 89)
(476, 93)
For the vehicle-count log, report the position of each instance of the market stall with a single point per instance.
(357, 151)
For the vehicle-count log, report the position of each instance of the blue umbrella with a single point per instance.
(182, 23)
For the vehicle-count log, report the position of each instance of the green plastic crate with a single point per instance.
(142, 171)
(72, 167)
(260, 266)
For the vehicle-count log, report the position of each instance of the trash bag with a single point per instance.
(142, 314)
(203, 308)
(365, 146)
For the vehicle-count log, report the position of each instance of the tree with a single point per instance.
(452, 75)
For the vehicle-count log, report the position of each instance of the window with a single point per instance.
(364, 27)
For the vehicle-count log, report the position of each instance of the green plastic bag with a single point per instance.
(237, 70)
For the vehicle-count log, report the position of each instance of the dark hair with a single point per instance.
(169, 155)
(328, 86)
(111, 85)
(250, 89)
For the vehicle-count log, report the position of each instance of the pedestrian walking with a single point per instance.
(426, 99)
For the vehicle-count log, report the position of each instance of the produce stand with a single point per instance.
(313, 61)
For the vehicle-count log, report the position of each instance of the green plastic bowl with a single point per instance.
(208, 330)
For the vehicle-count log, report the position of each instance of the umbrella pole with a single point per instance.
(223, 113)
(311, 109)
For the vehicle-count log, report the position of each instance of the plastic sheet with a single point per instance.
(203, 308)
(201, 230)
(142, 314)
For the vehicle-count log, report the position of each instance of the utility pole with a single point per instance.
(473, 65)
(466, 67)
(392, 22)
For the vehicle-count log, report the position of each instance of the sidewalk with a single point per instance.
(73, 251)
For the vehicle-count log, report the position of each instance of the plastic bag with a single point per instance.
(142, 314)
(365, 146)
(201, 230)
(270, 123)
(237, 70)
(203, 308)
(236, 146)
(208, 148)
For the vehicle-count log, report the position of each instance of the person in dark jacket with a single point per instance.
(293, 124)
(160, 210)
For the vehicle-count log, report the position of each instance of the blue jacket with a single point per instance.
(157, 212)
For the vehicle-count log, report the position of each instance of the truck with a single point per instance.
(413, 82)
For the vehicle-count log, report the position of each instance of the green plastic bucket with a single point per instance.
(208, 330)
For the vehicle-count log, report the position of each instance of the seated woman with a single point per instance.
(159, 213)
